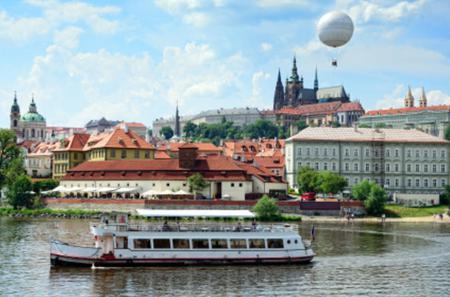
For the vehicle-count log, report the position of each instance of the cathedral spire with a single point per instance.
(316, 81)
(278, 97)
(409, 99)
(15, 106)
(177, 122)
(294, 75)
(423, 98)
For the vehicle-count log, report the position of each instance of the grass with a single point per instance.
(398, 211)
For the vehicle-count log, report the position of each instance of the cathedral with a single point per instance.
(294, 94)
(29, 126)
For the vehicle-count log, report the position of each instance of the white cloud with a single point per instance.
(281, 3)
(174, 6)
(266, 47)
(73, 87)
(309, 48)
(197, 19)
(54, 15)
(259, 79)
(366, 11)
(395, 98)
(69, 37)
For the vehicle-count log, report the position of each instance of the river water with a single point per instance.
(397, 259)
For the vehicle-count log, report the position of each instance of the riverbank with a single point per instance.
(92, 214)
(425, 219)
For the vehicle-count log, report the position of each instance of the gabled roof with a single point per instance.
(117, 138)
(44, 148)
(75, 142)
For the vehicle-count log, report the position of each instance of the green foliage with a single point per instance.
(374, 204)
(364, 126)
(444, 198)
(266, 209)
(18, 193)
(190, 129)
(380, 125)
(447, 132)
(9, 155)
(335, 124)
(301, 125)
(308, 180)
(330, 182)
(400, 211)
(362, 190)
(261, 128)
(196, 183)
(167, 132)
(44, 185)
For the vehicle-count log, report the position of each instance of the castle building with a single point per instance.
(29, 126)
(294, 94)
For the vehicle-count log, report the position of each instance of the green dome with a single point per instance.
(32, 117)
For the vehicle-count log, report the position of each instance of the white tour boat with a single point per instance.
(118, 243)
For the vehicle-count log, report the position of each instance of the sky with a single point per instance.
(134, 60)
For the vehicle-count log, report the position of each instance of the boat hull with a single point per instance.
(64, 260)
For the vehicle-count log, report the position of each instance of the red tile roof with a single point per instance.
(117, 138)
(75, 142)
(203, 147)
(321, 108)
(406, 110)
(161, 155)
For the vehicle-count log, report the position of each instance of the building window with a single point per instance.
(425, 153)
(334, 152)
(367, 167)
(317, 166)
(434, 168)
(325, 152)
(387, 182)
(425, 168)
(346, 152)
(417, 167)
(408, 153)
(408, 168)
(443, 154)
(355, 153)
(442, 168)
(388, 153)
(325, 166)
(299, 151)
(425, 183)
(388, 167)
(443, 183)
(367, 152)
(356, 180)
(147, 154)
(123, 154)
(396, 167)
(356, 167)
(434, 183)
(434, 154)
(396, 153)
(417, 183)
(136, 154)
(316, 151)
(308, 151)
(396, 182)
(346, 167)
(417, 154)
(375, 166)
(112, 153)
(409, 182)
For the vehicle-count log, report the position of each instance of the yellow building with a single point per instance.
(119, 144)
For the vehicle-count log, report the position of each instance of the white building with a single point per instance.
(403, 161)
(39, 162)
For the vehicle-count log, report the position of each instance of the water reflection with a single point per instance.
(353, 259)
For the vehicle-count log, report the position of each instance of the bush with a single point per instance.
(375, 202)
(267, 209)
(19, 193)
(361, 190)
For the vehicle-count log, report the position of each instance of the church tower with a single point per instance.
(15, 117)
(423, 99)
(177, 122)
(409, 99)
(278, 97)
(316, 82)
(293, 86)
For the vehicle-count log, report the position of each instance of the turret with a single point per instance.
(294, 75)
(15, 116)
(423, 99)
(409, 99)
(316, 81)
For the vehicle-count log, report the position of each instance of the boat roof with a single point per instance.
(196, 213)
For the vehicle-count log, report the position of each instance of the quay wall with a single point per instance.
(130, 205)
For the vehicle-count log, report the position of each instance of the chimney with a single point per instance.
(125, 127)
(187, 156)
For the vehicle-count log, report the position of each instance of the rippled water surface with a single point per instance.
(353, 260)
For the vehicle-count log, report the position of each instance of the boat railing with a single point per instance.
(197, 227)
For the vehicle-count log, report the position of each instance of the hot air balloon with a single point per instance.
(335, 29)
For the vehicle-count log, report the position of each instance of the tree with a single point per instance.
(9, 153)
(167, 132)
(190, 129)
(44, 185)
(196, 183)
(374, 204)
(307, 180)
(330, 182)
(19, 192)
(447, 132)
(261, 128)
(444, 198)
(362, 190)
(266, 209)
(301, 125)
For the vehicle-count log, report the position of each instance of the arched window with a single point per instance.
(15, 123)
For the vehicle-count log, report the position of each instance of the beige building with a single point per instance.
(39, 162)
(403, 161)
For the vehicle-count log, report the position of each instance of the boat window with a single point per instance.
(275, 243)
(289, 241)
(181, 243)
(142, 244)
(219, 243)
(200, 243)
(121, 242)
(296, 241)
(238, 244)
(256, 243)
(161, 243)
